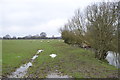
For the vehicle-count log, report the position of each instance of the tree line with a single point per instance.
(96, 27)
(42, 35)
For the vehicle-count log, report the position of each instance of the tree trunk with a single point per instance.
(101, 55)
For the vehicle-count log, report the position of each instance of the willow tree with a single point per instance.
(101, 27)
(73, 31)
(67, 35)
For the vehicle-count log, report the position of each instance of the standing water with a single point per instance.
(113, 59)
(20, 72)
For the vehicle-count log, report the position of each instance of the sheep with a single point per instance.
(48, 41)
(39, 51)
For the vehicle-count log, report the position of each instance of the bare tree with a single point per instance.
(97, 27)
(73, 32)
(101, 27)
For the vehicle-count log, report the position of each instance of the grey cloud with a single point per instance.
(36, 15)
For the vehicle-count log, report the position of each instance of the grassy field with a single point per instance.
(73, 61)
(0, 58)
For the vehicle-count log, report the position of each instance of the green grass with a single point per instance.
(12, 49)
(0, 58)
(73, 61)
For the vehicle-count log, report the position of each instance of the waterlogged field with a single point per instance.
(71, 61)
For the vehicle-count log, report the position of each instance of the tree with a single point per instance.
(7, 36)
(73, 32)
(101, 27)
(43, 35)
(14, 37)
(28, 37)
(35, 36)
(96, 27)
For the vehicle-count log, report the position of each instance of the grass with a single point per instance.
(17, 52)
(0, 58)
(73, 61)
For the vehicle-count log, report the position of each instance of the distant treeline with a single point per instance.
(42, 35)
(32, 38)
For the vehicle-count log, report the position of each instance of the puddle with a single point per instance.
(34, 57)
(53, 55)
(113, 59)
(20, 72)
(56, 75)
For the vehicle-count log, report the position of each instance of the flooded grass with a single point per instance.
(70, 61)
(16, 53)
(21, 72)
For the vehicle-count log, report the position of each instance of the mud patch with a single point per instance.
(57, 75)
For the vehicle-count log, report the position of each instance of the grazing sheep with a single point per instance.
(41, 41)
(48, 41)
(39, 51)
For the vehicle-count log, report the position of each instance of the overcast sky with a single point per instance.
(31, 17)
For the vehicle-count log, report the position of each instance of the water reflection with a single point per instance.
(20, 72)
(113, 59)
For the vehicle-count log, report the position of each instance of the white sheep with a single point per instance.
(39, 51)
(48, 41)
(41, 41)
